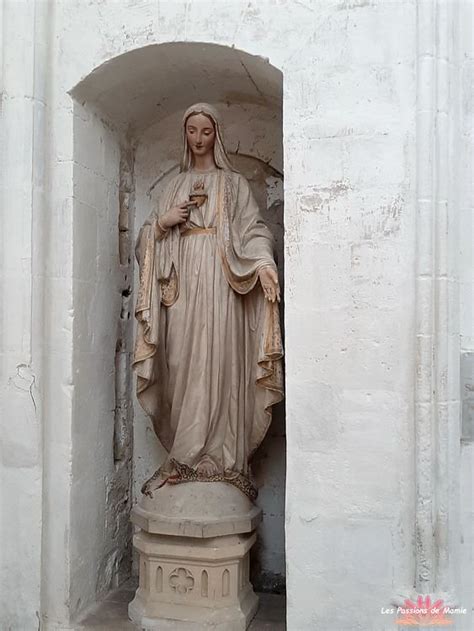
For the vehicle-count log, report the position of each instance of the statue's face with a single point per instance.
(201, 134)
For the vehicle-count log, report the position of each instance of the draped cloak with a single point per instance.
(208, 386)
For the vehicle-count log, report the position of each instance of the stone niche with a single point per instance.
(127, 143)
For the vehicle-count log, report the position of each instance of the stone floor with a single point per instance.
(111, 614)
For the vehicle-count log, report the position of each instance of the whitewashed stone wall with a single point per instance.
(21, 195)
(101, 485)
(466, 206)
(355, 152)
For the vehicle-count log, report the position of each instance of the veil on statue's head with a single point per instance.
(220, 154)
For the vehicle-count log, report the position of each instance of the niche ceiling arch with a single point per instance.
(140, 87)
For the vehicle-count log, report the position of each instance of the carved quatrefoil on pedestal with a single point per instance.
(181, 580)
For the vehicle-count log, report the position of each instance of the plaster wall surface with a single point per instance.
(349, 161)
(466, 208)
(100, 494)
(20, 413)
(466, 192)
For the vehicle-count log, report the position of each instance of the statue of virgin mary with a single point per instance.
(208, 349)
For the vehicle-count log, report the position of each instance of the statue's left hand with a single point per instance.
(269, 281)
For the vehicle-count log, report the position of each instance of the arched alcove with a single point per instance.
(127, 139)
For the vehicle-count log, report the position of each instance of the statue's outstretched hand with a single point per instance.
(269, 281)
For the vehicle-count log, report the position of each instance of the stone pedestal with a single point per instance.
(194, 547)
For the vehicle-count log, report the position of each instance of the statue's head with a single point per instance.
(202, 134)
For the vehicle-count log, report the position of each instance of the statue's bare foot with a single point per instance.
(207, 467)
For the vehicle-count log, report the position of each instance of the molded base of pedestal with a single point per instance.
(174, 617)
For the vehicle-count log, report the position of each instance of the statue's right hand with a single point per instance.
(175, 215)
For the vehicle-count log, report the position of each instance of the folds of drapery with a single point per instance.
(245, 245)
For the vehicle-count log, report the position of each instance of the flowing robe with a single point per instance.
(208, 352)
